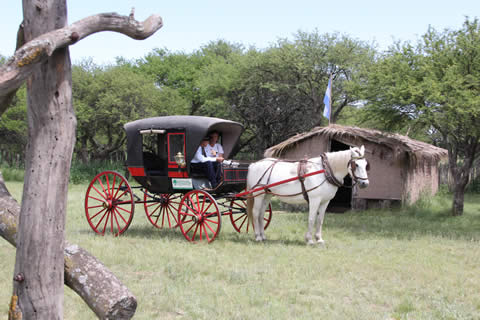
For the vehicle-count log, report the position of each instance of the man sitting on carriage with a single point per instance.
(207, 164)
(213, 148)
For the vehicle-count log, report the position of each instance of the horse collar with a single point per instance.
(328, 172)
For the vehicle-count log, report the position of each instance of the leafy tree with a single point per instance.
(217, 77)
(393, 91)
(202, 78)
(176, 71)
(434, 87)
(13, 126)
(105, 99)
(452, 89)
(280, 91)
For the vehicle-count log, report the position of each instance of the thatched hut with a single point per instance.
(402, 169)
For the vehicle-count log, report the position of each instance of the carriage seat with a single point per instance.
(154, 165)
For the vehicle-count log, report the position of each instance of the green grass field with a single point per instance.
(415, 263)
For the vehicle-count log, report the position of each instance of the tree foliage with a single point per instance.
(279, 92)
(434, 87)
(13, 126)
(105, 98)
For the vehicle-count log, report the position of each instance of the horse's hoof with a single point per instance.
(259, 239)
(321, 243)
(310, 242)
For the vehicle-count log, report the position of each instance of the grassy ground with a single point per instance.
(417, 263)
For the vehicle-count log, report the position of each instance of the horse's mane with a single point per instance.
(339, 159)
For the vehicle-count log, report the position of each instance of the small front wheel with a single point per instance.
(109, 203)
(199, 217)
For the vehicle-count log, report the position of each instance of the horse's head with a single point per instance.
(358, 166)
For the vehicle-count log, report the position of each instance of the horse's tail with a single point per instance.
(250, 201)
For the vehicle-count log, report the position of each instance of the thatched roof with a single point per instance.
(395, 142)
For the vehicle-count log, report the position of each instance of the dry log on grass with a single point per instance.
(84, 274)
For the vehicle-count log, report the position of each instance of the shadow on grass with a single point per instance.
(411, 222)
(174, 234)
(150, 232)
(428, 218)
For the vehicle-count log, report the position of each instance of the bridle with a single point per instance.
(353, 166)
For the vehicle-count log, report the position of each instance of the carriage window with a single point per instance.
(150, 143)
(154, 151)
(176, 143)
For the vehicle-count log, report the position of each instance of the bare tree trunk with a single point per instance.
(51, 137)
(44, 61)
(458, 200)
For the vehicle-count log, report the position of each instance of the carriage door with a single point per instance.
(176, 146)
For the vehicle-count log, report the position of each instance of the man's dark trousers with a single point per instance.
(211, 169)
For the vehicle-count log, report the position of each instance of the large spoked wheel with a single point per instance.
(199, 217)
(109, 203)
(162, 209)
(239, 217)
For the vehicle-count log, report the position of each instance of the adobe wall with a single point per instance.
(386, 180)
(385, 175)
(309, 148)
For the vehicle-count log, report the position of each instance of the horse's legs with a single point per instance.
(257, 212)
(321, 215)
(312, 213)
(261, 216)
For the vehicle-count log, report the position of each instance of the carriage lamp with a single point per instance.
(180, 160)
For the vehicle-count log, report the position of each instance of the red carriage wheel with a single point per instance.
(199, 217)
(162, 209)
(109, 203)
(239, 217)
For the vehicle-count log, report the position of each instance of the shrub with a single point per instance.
(12, 173)
(81, 172)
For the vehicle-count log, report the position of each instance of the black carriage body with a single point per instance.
(152, 144)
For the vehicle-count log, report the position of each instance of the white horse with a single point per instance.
(318, 189)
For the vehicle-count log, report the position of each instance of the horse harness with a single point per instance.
(302, 170)
(329, 173)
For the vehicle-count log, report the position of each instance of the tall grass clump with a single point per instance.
(79, 172)
(474, 186)
(85, 172)
(12, 173)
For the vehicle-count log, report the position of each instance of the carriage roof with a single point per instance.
(195, 128)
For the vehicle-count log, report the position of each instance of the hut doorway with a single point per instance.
(343, 199)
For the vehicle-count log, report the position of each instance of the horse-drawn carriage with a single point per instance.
(159, 154)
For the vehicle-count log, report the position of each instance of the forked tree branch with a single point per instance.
(16, 70)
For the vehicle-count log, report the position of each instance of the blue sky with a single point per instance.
(190, 24)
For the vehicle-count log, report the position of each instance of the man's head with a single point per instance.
(214, 136)
(204, 142)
